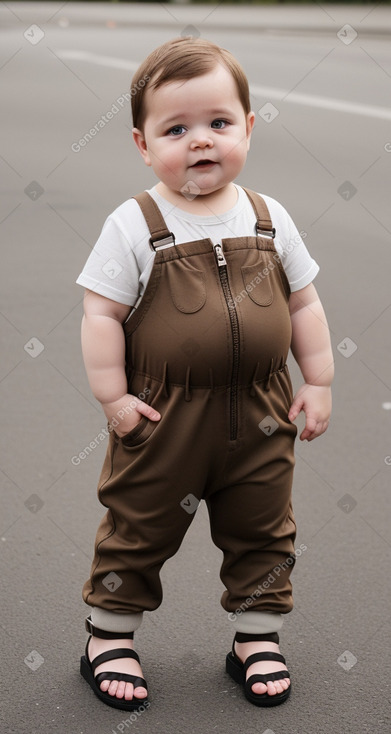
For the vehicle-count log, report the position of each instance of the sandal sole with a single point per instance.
(116, 703)
(258, 699)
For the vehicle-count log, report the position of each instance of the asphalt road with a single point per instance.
(322, 146)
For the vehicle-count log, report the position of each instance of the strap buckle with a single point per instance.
(89, 626)
(163, 242)
(96, 632)
(270, 233)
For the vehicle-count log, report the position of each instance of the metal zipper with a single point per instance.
(233, 317)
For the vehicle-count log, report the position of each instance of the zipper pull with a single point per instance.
(221, 261)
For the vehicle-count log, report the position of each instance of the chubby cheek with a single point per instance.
(170, 163)
(236, 157)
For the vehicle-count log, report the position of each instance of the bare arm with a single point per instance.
(311, 347)
(103, 346)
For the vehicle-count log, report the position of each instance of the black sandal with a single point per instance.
(237, 670)
(87, 669)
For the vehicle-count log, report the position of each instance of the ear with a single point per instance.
(140, 141)
(250, 120)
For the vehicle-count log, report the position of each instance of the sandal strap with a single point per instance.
(119, 652)
(260, 656)
(244, 637)
(269, 637)
(264, 678)
(104, 635)
(135, 679)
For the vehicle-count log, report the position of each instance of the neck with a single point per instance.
(216, 202)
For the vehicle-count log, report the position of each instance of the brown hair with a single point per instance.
(181, 59)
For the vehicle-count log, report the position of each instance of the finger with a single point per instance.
(148, 411)
(305, 435)
(319, 428)
(311, 424)
(309, 429)
(295, 409)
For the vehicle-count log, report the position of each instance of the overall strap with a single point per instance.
(264, 223)
(161, 237)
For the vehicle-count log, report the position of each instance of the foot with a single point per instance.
(245, 649)
(115, 688)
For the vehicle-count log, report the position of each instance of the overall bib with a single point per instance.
(207, 346)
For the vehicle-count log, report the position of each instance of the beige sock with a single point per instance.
(114, 622)
(257, 622)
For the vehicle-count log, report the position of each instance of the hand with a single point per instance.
(124, 414)
(315, 400)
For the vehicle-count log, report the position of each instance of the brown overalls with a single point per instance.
(209, 341)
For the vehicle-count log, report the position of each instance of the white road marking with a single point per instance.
(325, 103)
(282, 95)
(109, 61)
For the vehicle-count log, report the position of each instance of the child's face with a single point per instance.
(196, 132)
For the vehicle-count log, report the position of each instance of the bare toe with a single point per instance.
(259, 688)
(120, 689)
(129, 692)
(140, 692)
(271, 688)
(112, 689)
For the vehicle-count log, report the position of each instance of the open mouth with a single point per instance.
(205, 162)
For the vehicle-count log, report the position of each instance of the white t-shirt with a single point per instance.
(121, 262)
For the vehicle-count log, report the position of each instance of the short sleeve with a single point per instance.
(300, 268)
(112, 269)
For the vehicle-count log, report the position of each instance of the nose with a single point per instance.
(201, 139)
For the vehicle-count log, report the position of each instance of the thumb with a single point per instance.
(295, 408)
(147, 410)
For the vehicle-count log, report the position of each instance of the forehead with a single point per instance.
(216, 88)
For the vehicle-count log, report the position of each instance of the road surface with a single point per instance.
(321, 88)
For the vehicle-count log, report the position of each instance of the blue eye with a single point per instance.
(176, 130)
(218, 124)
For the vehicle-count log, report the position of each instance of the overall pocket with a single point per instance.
(136, 435)
(257, 282)
(143, 429)
(187, 286)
